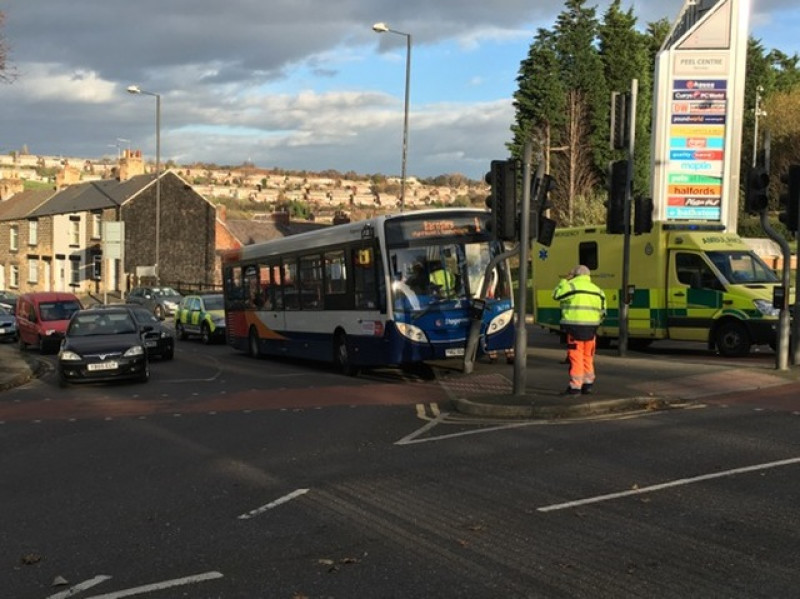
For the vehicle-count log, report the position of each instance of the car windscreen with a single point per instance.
(101, 322)
(213, 302)
(62, 310)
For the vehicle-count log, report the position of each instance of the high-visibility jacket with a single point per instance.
(582, 302)
(443, 278)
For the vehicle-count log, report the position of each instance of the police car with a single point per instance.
(202, 315)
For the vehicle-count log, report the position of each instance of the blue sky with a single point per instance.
(296, 84)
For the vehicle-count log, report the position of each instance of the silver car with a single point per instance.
(8, 324)
(161, 301)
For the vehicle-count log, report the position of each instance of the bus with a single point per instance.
(387, 291)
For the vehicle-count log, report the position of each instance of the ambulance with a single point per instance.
(687, 282)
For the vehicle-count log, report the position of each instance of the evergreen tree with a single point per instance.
(625, 57)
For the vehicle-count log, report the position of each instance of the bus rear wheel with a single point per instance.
(253, 346)
(341, 356)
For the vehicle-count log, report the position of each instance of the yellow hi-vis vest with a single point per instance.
(582, 302)
(443, 278)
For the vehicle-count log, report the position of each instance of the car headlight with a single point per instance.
(136, 350)
(69, 356)
(500, 322)
(171, 305)
(411, 331)
(766, 307)
(164, 335)
(50, 332)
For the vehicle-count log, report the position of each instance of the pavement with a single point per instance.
(664, 377)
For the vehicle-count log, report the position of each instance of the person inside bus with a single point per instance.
(443, 279)
(417, 281)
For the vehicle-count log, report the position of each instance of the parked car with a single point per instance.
(159, 341)
(7, 298)
(8, 324)
(102, 345)
(161, 301)
(202, 315)
(42, 318)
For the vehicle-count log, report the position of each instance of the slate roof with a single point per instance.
(20, 205)
(94, 195)
(257, 231)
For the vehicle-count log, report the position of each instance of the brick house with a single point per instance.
(58, 235)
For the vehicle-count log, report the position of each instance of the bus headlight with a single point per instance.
(411, 332)
(500, 322)
(766, 307)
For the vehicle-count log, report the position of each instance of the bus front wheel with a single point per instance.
(341, 356)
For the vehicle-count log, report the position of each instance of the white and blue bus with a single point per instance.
(390, 290)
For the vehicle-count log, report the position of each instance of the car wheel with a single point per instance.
(181, 332)
(341, 356)
(169, 354)
(205, 334)
(159, 312)
(732, 340)
(145, 376)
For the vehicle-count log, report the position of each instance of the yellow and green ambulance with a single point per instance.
(687, 281)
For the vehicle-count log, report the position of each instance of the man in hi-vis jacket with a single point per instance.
(583, 305)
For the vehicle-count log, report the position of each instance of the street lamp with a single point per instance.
(135, 89)
(757, 112)
(384, 28)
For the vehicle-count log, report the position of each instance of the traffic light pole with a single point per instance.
(521, 339)
(782, 351)
(625, 296)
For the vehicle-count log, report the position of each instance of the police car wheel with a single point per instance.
(205, 334)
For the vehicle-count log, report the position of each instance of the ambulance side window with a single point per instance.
(587, 254)
(693, 271)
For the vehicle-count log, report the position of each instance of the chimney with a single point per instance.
(130, 164)
(69, 175)
(340, 218)
(281, 217)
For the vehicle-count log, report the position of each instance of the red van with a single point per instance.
(43, 317)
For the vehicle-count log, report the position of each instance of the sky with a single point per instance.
(292, 84)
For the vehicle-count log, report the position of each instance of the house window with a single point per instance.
(75, 272)
(74, 232)
(97, 224)
(33, 232)
(33, 270)
(14, 277)
(13, 240)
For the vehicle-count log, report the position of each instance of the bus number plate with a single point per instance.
(454, 352)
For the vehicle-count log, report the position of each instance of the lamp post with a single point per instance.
(384, 28)
(757, 112)
(135, 89)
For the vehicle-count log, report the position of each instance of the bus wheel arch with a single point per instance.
(731, 338)
(342, 356)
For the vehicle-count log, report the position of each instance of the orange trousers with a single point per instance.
(581, 361)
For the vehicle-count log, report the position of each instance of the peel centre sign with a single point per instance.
(699, 82)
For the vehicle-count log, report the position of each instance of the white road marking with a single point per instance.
(159, 586)
(82, 586)
(272, 504)
(675, 483)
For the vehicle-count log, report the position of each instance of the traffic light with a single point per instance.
(791, 199)
(617, 187)
(542, 228)
(643, 215)
(620, 120)
(503, 199)
(756, 198)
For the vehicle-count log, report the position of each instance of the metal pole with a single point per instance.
(405, 124)
(626, 247)
(521, 340)
(756, 114)
(158, 188)
(782, 351)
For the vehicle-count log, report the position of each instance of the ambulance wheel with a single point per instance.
(732, 339)
(205, 334)
(639, 344)
(603, 342)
